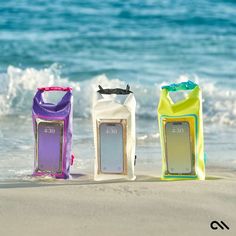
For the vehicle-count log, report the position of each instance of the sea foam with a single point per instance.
(19, 85)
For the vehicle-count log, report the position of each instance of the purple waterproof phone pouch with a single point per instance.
(53, 134)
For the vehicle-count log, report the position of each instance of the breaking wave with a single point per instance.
(19, 85)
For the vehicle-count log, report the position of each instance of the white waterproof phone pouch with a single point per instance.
(114, 134)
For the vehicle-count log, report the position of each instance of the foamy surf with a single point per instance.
(19, 85)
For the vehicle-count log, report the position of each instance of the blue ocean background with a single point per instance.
(143, 43)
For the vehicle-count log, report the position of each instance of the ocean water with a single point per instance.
(143, 43)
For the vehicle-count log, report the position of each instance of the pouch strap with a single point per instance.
(72, 159)
(117, 91)
(189, 85)
(205, 158)
(55, 88)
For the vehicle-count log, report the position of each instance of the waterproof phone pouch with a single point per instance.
(114, 134)
(53, 134)
(181, 133)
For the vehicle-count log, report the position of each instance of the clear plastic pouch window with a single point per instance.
(179, 151)
(111, 138)
(49, 145)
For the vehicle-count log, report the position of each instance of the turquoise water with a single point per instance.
(144, 43)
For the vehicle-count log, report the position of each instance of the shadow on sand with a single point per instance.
(81, 179)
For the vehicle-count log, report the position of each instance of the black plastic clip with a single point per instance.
(135, 159)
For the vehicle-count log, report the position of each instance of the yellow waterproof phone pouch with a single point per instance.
(181, 133)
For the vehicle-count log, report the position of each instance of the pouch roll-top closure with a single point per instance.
(50, 107)
(184, 86)
(117, 91)
(55, 88)
(118, 95)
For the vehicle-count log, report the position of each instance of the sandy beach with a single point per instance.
(147, 206)
(147, 45)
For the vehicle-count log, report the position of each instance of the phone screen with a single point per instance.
(50, 146)
(178, 147)
(111, 148)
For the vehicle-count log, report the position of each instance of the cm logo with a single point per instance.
(219, 224)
